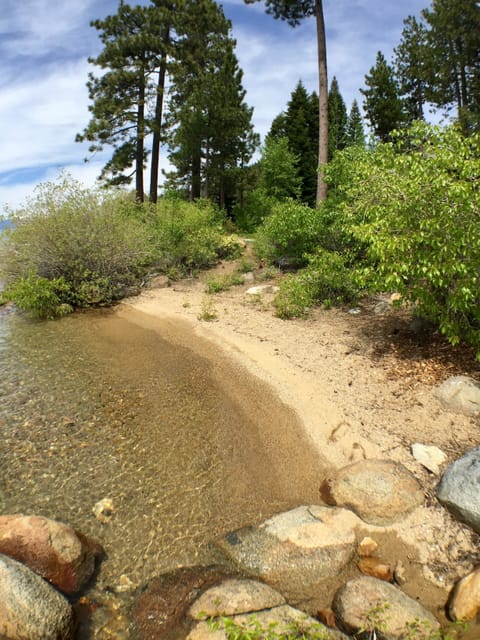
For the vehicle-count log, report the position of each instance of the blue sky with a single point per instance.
(44, 46)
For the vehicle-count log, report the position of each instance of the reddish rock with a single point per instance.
(163, 604)
(378, 491)
(51, 549)
(465, 600)
(376, 568)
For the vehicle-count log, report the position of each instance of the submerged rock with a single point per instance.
(378, 491)
(373, 605)
(52, 549)
(295, 550)
(31, 609)
(459, 489)
(460, 394)
(163, 604)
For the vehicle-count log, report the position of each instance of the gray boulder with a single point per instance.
(296, 550)
(378, 491)
(30, 609)
(459, 489)
(235, 596)
(460, 394)
(374, 605)
(279, 618)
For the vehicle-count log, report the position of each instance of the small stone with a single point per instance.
(104, 510)
(159, 282)
(382, 308)
(399, 573)
(367, 547)
(460, 394)
(465, 600)
(262, 288)
(375, 568)
(124, 585)
(429, 456)
(355, 311)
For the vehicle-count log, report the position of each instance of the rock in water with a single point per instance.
(378, 491)
(373, 605)
(52, 549)
(459, 489)
(295, 550)
(460, 394)
(30, 609)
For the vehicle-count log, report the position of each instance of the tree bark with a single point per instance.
(139, 155)
(157, 129)
(322, 102)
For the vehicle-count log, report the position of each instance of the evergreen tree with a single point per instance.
(209, 124)
(294, 11)
(132, 52)
(453, 41)
(382, 104)
(355, 135)
(337, 119)
(411, 57)
(279, 169)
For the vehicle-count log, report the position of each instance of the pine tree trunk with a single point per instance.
(322, 101)
(158, 123)
(139, 155)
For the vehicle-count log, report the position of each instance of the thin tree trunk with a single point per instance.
(139, 155)
(154, 169)
(322, 101)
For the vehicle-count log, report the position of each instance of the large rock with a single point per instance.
(373, 605)
(235, 596)
(30, 609)
(378, 491)
(459, 489)
(281, 619)
(296, 550)
(163, 604)
(52, 549)
(465, 600)
(460, 394)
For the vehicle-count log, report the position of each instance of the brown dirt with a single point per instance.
(363, 387)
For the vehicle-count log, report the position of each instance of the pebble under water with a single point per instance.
(98, 406)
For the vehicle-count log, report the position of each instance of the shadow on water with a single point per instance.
(185, 444)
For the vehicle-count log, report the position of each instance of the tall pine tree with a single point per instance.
(355, 135)
(410, 62)
(382, 103)
(294, 12)
(337, 119)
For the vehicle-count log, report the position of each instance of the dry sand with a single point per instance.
(362, 386)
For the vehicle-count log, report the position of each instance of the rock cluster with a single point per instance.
(40, 560)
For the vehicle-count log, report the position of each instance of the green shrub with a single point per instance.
(186, 234)
(290, 231)
(414, 205)
(84, 238)
(325, 280)
(222, 283)
(41, 298)
(256, 207)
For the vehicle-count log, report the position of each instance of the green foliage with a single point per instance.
(337, 119)
(414, 207)
(279, 174)
(382, 104)
(84, 237)
(290, 231)
(325, 280)
(222, 283)
(208, 311)
(41, 298)
(354, 133)
(187, 235)
(254, 630)
(257, 205)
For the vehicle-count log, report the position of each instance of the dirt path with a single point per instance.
(362, 385)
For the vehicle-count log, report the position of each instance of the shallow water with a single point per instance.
(187, 446)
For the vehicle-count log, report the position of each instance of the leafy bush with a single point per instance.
(187, 235)
(325, 280)
(42, 298)
(414, 204)
(256, 207)
(222, 283)
(83, 238)
(290, 231)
